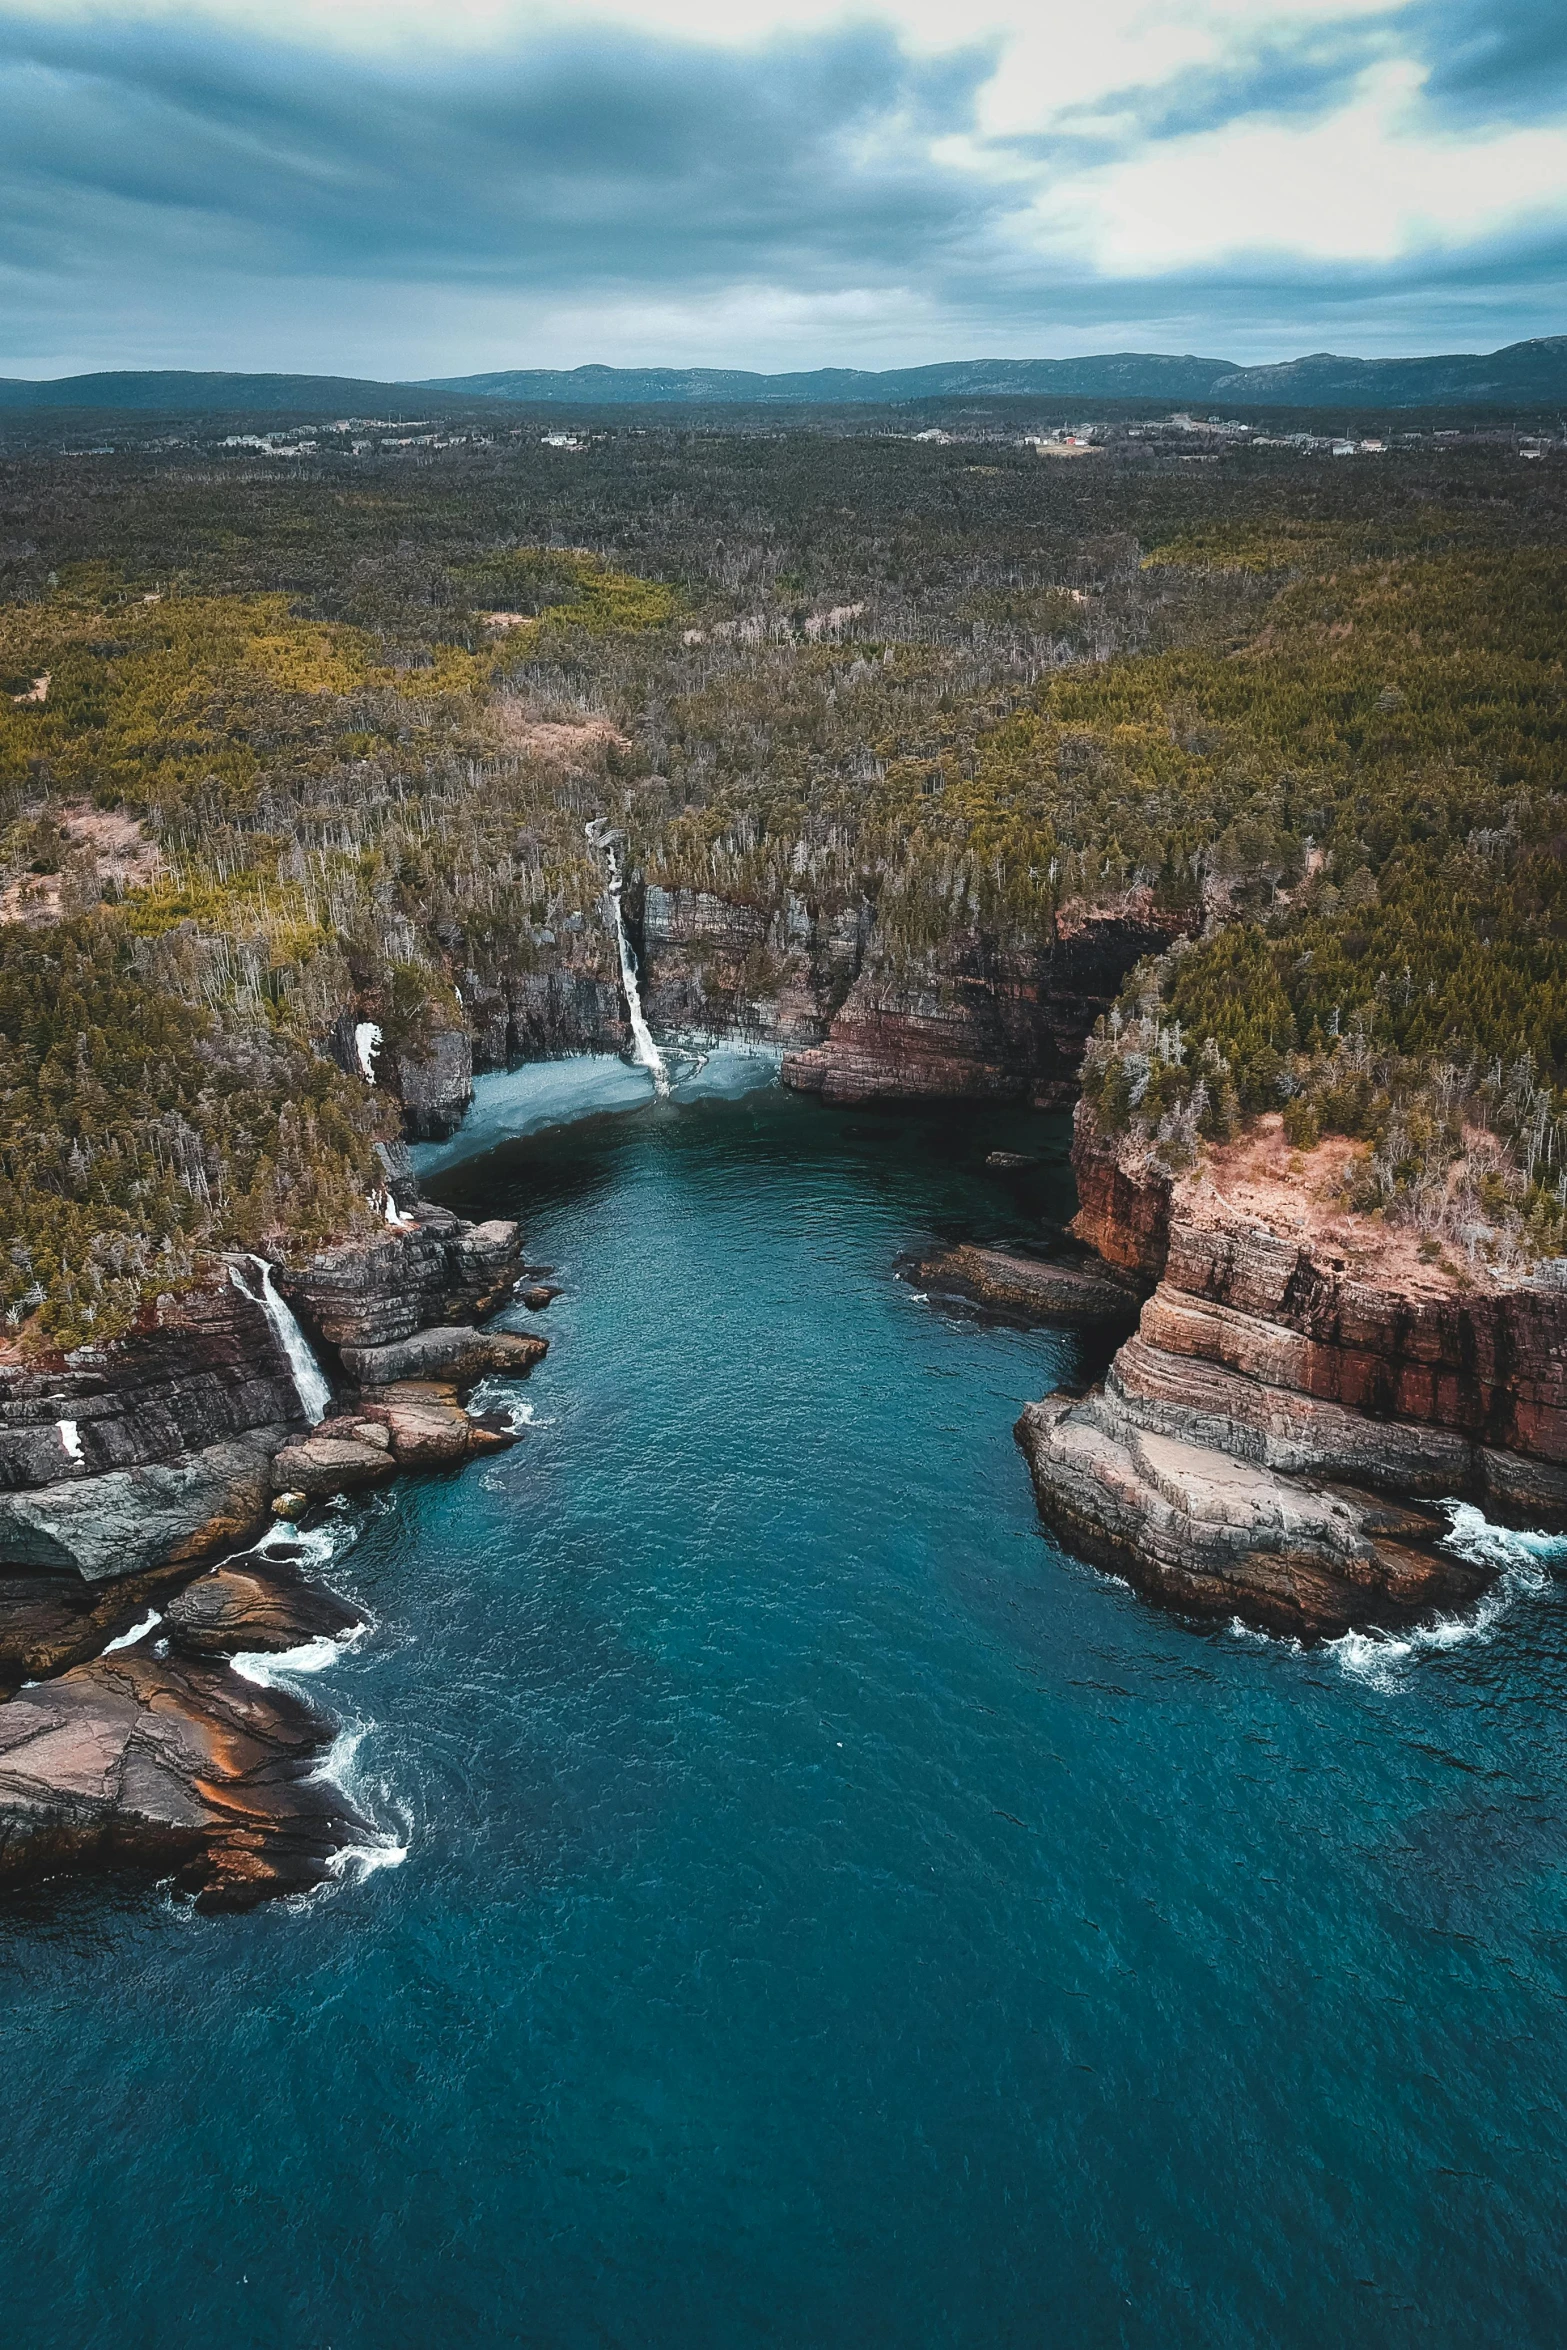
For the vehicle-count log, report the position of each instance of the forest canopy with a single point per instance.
(276, 744)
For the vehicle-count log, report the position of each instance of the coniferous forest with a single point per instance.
(279, 742)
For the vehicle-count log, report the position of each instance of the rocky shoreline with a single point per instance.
(130, 1479)
(1284, 1407)
(1265, 1442)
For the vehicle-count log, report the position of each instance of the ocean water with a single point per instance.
(809, 1909)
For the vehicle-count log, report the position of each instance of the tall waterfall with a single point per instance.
(646, 1051)
(310, 1383)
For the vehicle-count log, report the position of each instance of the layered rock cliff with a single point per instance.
(980, 1019)
(976, 1016)
(1296, 1370)
(124, 1736)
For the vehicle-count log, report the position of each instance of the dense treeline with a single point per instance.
(1403, 978)
(288, 758)
(137, 1129)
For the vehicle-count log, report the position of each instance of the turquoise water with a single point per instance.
(828, 1917)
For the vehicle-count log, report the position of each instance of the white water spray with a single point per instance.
(310, 1383)
(1524, 1562)
(646, 1051)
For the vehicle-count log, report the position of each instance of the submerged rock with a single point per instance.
(182, 1767)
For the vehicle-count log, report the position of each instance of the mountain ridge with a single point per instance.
(1531, 371)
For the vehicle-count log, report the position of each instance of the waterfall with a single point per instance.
(310, 1381)
(646, 1051)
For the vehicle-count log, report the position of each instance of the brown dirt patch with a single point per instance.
(105, 841)
(1299, 1196)
(572, 744)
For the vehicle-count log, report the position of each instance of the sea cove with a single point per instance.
(824, 1912)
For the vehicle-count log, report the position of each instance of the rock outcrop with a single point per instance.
(129, 1520)
(434, 1268)
(427, 1426)
(979, 1019)
(124, 1736)
(463, 1356)
(405, 1423)
(172, 1764)
(1295, 1367)
(1041, 1291)
(259, 1604)
(1218, 1536)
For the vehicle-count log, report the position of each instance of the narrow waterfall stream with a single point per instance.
(646, 1052)
(310, 1381)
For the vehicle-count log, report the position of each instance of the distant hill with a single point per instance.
(1523, 373)
(1122, 375)
(1528, 374)
(174, 392)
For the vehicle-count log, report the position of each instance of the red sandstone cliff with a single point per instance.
(979, 1019)
(1295, 1366)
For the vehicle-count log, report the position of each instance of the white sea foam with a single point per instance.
(1522, 1562)
(318, 1544)
(1243, 1631)
(137, 1632)
(384, 1847)
(498, 1395)
(268, 1667)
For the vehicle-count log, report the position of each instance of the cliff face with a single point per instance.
(1123, 1201)
(436, 1268)
(975, 1019)
(1294, 1366)
(159, 1448)
(203, 1368)
(124, 1736)
(715, 967)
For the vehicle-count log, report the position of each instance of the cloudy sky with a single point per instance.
(412, 187)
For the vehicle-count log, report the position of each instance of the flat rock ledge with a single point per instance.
(456, 1352)
(1218, 1537)
(1026, 1285)
(129, 1521)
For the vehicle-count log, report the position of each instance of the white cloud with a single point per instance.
(1368, 183)
(380, 185)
